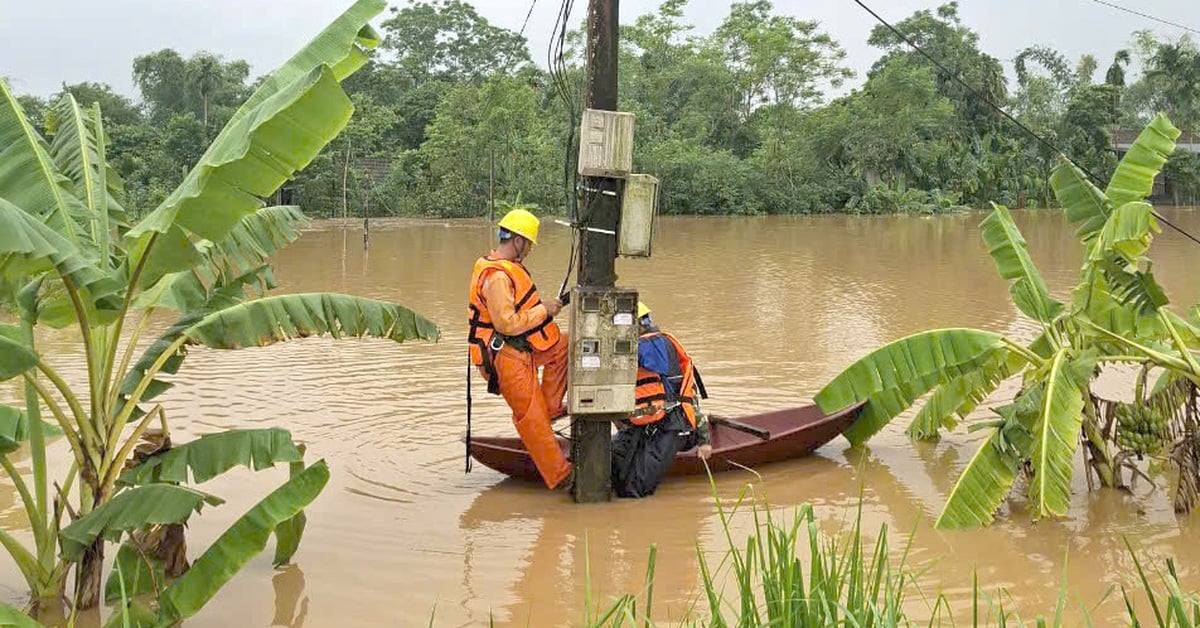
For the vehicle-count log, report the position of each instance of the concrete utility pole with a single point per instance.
(591, 436)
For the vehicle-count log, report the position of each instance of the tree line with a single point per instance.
(454, 111)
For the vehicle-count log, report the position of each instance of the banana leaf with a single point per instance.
(288, 533)
(28, 177)
(28, 247)
(15, 356)
(11, 617)
(286, 122)
(132, 509)
(960, 396)
(892, 377)
(236, 546)
(245, 250)
(1130, 286)
(981, 487)
(12, 426)
(134, 613)
(1133, 180)
(14, 429)
(1056, 434)
(141, 573)
(1082, 202)
(1010, 253)
(78, 152)
(1128, 232)
(213, 454)
(275, 319)
(343, 46)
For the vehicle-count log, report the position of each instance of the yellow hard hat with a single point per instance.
(643, 310)
(521, 222)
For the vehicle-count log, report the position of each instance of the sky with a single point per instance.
(44, 44)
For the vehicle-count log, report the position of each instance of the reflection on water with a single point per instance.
(772, 307)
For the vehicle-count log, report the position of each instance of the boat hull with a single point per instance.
(794, 432)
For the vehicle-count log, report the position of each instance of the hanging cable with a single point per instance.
(527, 14)
(1147, 16)
(976, 93)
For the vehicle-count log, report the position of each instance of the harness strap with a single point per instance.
(664, 397)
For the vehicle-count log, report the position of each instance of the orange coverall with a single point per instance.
(533, 405)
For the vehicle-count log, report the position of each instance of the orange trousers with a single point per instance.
(534, 405)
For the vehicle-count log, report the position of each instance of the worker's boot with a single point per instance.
(567, 483)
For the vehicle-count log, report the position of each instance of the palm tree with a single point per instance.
(1116, 72)
(205, 74)
(1174, 71)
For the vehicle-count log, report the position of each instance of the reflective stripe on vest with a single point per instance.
(480, 327)
(654, 399)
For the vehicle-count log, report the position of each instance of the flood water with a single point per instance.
(772, 308)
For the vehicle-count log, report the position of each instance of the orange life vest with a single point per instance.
(481, 333)
(654, 399)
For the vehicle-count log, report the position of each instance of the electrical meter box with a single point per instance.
(639, 203)
(606, 144)
(603, 352)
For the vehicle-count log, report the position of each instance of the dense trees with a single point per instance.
(735, 121)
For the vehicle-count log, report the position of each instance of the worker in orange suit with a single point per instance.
(512, 333)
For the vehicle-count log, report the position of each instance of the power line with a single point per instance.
(976, 93)
(529, 13)
(1147, 16)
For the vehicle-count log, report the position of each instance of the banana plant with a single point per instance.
(1117, 314)
(70, 257)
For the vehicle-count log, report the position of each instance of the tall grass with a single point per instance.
(789, 574)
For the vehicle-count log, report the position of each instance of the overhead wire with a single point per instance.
(1147, 16)
(527, 15)
(558, 71)
(957, 77)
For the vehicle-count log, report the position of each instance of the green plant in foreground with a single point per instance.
(68, 257)
(1117, 315)
(789, 574)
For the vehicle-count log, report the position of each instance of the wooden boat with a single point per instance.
(748, 441)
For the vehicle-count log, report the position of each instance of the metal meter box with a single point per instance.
(606, 144)
(639, 203)
(604, 340)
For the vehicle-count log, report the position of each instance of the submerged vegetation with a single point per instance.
(1118, 314)
(788, 573)
(741, 120)
(70, 258)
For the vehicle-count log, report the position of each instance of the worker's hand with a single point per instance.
(553, 306)
(704, 451)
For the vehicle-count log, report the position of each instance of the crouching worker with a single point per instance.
(668, 418)
(512, 333)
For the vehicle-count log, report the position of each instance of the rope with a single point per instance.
(976, 93)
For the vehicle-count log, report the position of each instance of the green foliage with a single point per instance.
(736, 121)
(213, 454)
(791, 573)
(1118, 315)
(68, 256)
(244, 539)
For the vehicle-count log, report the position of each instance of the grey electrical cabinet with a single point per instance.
(639, 204)
(603, 351)
(606, 144)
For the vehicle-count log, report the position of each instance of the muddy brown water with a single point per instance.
(771, 307)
